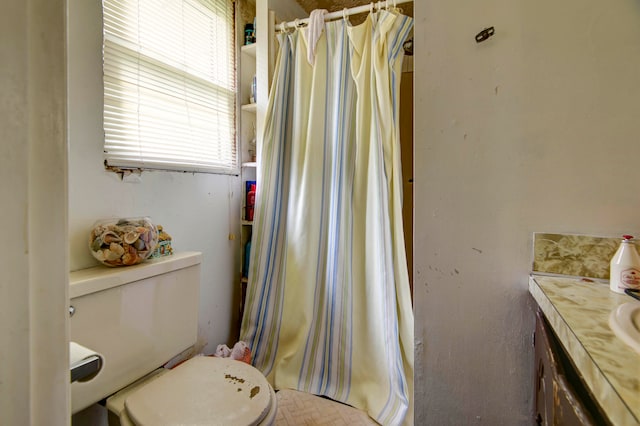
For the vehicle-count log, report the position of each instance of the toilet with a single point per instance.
(141, 318)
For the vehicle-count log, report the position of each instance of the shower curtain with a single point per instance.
(328, 309)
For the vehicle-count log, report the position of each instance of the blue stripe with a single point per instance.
(265, 303)
(253, 288)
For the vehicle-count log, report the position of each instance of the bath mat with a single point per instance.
(300, 408)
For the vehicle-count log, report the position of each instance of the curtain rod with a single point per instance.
(345, 12)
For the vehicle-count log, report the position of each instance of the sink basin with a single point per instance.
(625, 323)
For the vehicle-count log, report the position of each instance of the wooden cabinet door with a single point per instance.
(559, 396)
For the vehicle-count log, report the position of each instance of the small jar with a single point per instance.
(249, 34)
(123, 241)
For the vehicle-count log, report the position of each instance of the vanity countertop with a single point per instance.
(578, 312)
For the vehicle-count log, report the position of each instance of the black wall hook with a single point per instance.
(484, 34)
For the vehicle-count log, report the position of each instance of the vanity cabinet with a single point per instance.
(561, 397)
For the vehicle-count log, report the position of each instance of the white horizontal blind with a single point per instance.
(169, 84)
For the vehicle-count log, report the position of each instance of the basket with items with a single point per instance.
(123, 242)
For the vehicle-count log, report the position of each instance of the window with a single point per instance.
(169, 85)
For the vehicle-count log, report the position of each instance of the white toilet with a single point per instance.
(139, 318)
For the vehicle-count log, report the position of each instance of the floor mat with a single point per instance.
(303, 409)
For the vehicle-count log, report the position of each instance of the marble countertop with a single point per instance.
(578, 312)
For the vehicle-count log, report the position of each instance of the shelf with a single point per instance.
(249, 107)
(250, 164)
(247, 222)
(249, 49)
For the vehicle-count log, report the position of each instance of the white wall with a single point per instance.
(286, 10)
(535, 129)
(34, 375)
(198, 210)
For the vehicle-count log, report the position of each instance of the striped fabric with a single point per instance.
(328, 309)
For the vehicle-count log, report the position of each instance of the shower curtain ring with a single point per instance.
(344, 13)
(283, 27)
(371, 8)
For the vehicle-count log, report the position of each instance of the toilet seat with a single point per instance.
(205, 391)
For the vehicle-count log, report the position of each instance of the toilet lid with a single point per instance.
(203, 391)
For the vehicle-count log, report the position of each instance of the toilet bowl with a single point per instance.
(140, 318)
(202, 391)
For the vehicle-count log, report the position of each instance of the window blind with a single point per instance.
(169, 84)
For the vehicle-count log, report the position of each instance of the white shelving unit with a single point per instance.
(247, 132)
(253, 59)
(249, 107)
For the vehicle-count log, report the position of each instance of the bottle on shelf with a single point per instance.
(251, 200)
(249, 33)
(625, 266)
(252, 149)
(252, 144)
(247, 255)
(254, 85)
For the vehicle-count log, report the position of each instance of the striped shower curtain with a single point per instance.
(328, 308)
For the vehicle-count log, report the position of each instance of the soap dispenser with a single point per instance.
(625, 266)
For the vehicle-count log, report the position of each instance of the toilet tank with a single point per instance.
(137, 317)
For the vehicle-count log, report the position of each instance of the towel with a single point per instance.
(240, 352)
(314, 31)
(222, 351)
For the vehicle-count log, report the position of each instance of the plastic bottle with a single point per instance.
(249, 34)
(625, 266)
(247, 256)
(251, 201)
(254, 88)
